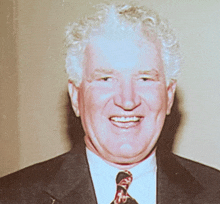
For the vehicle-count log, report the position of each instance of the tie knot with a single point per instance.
(124, 179)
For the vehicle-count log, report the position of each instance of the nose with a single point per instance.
(127, 97)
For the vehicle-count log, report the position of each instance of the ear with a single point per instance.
(73, 92)
(170, 95)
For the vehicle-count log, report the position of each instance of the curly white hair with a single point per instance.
(124, 17)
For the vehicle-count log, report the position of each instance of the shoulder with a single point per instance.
(33, 173)
(30, 185)
(30, 179)
(184, 178)
(207, 176)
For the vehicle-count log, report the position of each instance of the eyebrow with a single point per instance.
(111, 71)
(152, 71)
(103, 71)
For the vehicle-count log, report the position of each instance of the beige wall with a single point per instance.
(9, 140)
(33, 106)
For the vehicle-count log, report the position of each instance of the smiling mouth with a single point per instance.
(125, 122)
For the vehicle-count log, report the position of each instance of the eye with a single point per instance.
(105, 79)
(145, 78)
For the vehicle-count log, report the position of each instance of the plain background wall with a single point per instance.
(9, 139)
(34, 84)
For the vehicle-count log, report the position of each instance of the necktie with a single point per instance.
(123, 180)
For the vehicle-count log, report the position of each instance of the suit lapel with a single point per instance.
(174, 183)
(73, 184)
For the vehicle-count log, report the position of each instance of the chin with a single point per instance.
(127, 154)
(127, 161)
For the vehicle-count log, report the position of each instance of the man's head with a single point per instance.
(122, 72)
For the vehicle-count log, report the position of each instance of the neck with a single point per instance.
(126, 166)
(121, 166)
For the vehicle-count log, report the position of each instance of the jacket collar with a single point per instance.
(73, 181)
(174, 183)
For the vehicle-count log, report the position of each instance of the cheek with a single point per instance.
(154, 97)
(95, 99)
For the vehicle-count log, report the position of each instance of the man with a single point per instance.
(122, 66)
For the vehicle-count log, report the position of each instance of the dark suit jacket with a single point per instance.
(66, 179)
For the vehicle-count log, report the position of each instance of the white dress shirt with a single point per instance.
(142, 188)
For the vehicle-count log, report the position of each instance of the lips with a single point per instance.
(125, 121)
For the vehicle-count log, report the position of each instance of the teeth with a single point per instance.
(125, 119)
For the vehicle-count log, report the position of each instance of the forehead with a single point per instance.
(122, 52)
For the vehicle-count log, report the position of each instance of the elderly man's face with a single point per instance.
(123, 98)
